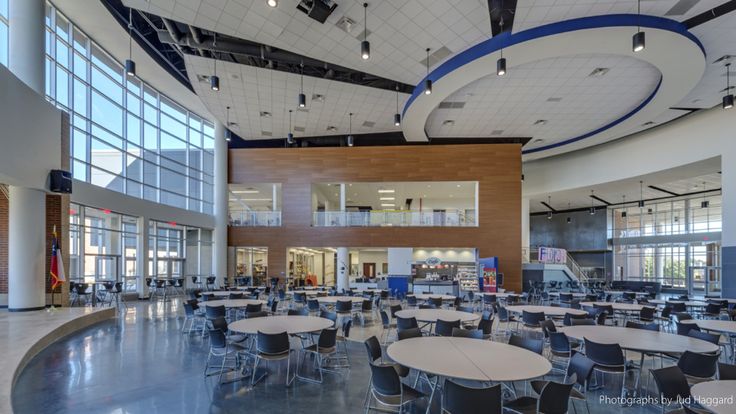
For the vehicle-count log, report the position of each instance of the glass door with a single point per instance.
(697, 276)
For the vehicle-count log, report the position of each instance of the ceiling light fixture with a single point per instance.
(302, 97)
(501, 62)
(549, 205)
(290, 136)
(638, 41)
(397, 115)
(272, 3)
(641, 194)
(592, 207)
(387, 198)
(228, 138)
(129, 63)
(382, 191)
(214, 80)
(728, 98)
(704, 203)
(623, 213)
(569, 219)
(365, 46)
(350, 130)
(428, 82)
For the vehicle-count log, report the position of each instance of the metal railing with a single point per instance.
(393, 219)
(255, 218)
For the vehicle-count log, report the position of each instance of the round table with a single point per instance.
(432, 315)
(426, 296)
(335, 299)
(304, 292)
(548, 310)
(361, 291)
(574, 294)
(276, 324)
(640, 339)
(469, 359)
(621, 292)
(234, 303)
(502, 295)
(717, 396)
(715, 325)
(623, 307)
(689, 303)
(223, 293)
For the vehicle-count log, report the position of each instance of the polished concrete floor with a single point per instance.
(141, 363)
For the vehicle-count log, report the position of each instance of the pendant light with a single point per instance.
(228, 138)
(704, 203)
(549, 205)
(129, 63)
(302, 97)
(638, 42)
(569, 219)
(397, 115)
(728, 98)
(290, 136)
(501, 63)
(592, 207)
(428, 82)
(365, 46)
(350, 130)
(623, 213)
(214, 80)
(641, 194)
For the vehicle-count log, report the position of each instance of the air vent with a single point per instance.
(266, 133)
(265, 114)
(451, 105)
(538, 141)
(318, 98)
(448, 122)
(331, 128)
(649, 123)
(299, 129)
(232, 124)
(203, 78)
(540, 122)
(681, 7)
(436, 56)
(346, 24)
(554, 99)
(724, 58)
(369, 124)
(598, 72)
(497, 132)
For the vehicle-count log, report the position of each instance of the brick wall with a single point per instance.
(3, 244)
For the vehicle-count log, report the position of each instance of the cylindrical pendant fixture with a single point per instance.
(728, 99)
(350, 140)
(728, 102)
(215, 83)
(302, 100)
(501, 66)
(397, 119)
(129, 63)
(290, 138)
(129, 67)
(302, 97)
(365, 46)
(428, 87)
(638, 42)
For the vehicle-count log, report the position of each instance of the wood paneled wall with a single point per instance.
(497, 169)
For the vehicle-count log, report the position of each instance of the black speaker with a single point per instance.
(61, 181)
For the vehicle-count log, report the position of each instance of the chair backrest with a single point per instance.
(705, 336)
(300, 297)
(487, 314)
(713, 308)
(532, 318)
(385, 380)
(677, 306)
(253, 307)
(212, 312)
(435, 301)
(427, 306)
(486, 326)
(609, 355)
(555, 396)
(298, 312)
(444, 328)
(559, 342)
(393, 309)
(671, 382)
(581, 366)
(530, 344)
(258, 314)
(488, 299)
(601, 318)
(313, 305)
(411, 300)
(346, 325)
(647, 313)
(118, 287)
(567, 320)
(220, 323)
(698, 365)
(274, 305)
(272, 344)
(366, 305)
(385, 321)
(467, 309)
(188, 310)
(603, 308)
(548, 326)
(459, 399)
(467, 333)
(582, 322)
(373, 348)
(410, 333)
(235, 296)
(726, 371)
(685, 328)
(645, 326)
(406, 323)
(217, 339)
(328, 315)
(327, 338)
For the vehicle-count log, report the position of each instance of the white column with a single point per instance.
(343, 269)
(27, 212)
(219, 249)
(399, 261)
(141, 258)
(525, 229)
(728, 232)
(275, 198)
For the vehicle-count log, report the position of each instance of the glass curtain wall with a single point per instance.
(674, 242)
(4, 32)
(126, 136)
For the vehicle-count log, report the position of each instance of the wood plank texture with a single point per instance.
(497, 169)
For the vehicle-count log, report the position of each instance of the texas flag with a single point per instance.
(57, 266)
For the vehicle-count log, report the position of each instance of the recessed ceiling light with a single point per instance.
(538, 141)
(448, 122)
(540, 122)
(272, 3)
(458, 186)
(648, 123)
(388, 205)
(554, 99)
(598, 72)
(331, 128)
(386, 191)
(265, 114)
(318, 98)
(245, 191)
(387, 198)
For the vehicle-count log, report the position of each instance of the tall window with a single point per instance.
(4, 32)
(126, 136)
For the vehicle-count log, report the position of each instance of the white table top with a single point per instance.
(715, 325)
(304, 292)
(470, 359)
(426, 296)
(335, 299)
(251, 287)
(548, 310)
(625, 307)
(234, 303)
(687, 303)
(574, 294)
(717, 396)
(621, 292)
(729, 300)
(501, 295)
(293, 324)
(431, 315)
(369, 290)
(639, 339)
(224, 293)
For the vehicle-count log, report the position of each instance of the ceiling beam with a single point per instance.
(662, 190)
(595, 197)
(711, 14)
(549, 207)
(501, 11)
